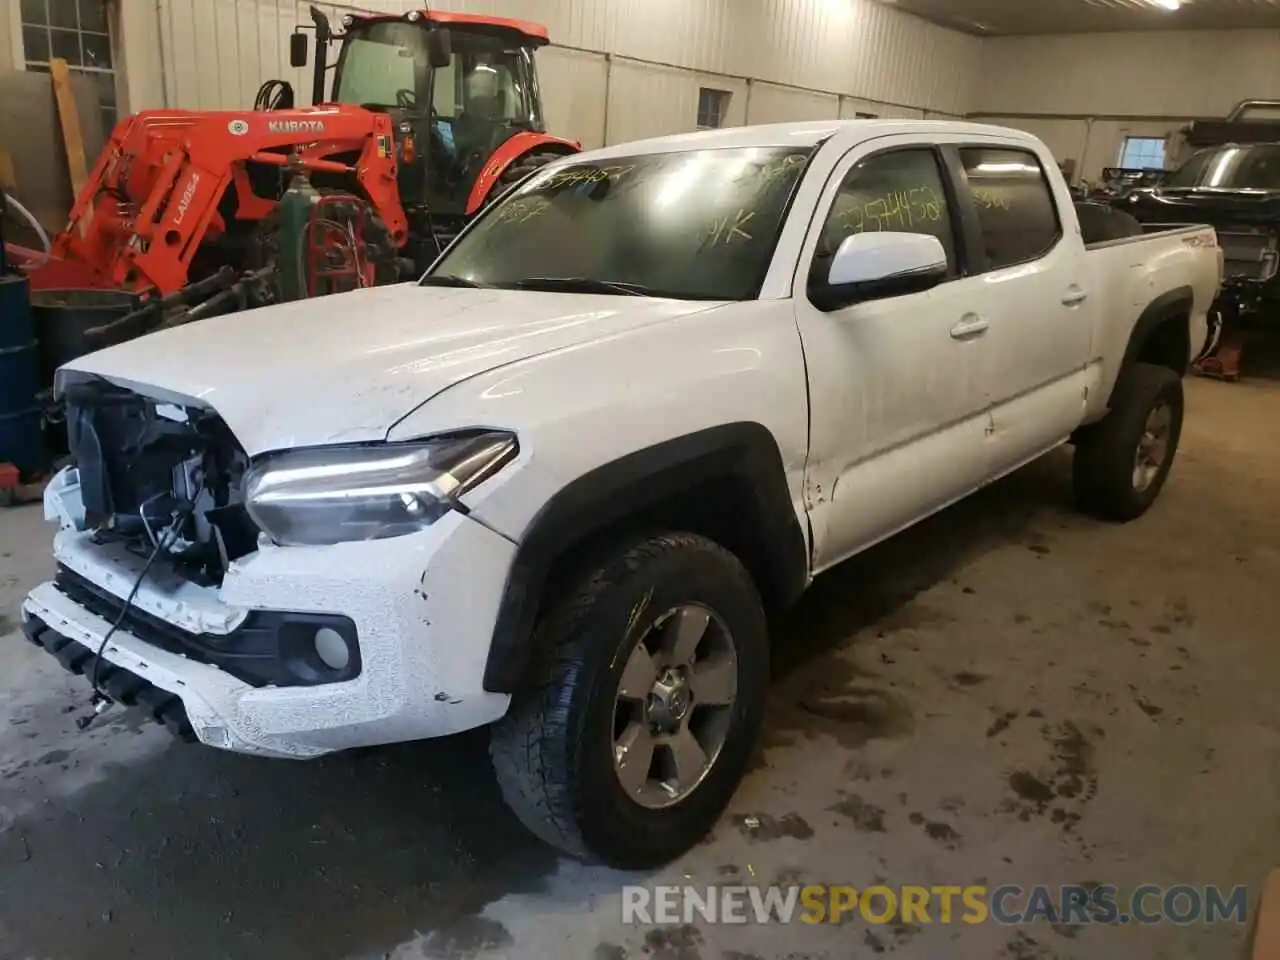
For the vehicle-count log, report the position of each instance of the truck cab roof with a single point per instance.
(806, 134)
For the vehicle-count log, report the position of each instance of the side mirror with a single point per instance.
(298, 49)
(439, 48)
(871, 266)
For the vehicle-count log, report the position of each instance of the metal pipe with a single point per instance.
(669, 65)
(608, 90)
(285, 160)
(35, 225)
(1244, 106)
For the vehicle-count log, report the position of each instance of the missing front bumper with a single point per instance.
(123, 686)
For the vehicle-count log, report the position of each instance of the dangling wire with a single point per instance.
(161, 544)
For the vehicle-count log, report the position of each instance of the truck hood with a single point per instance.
(346, 367)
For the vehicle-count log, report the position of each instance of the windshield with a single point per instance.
(387, 64)
(690, 225)
(1231, 168)
(377, 64)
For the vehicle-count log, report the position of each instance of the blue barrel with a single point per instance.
(21, 419)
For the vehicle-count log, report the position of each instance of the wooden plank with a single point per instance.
(69, 117)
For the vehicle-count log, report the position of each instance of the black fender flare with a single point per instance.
(1174, 303)
(743, 454)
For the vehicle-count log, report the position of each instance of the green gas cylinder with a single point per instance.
(295, 218)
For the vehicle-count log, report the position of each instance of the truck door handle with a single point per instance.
(1074, 297)
(971, 325)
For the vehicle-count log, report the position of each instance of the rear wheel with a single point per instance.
(1122, 462)
(521, 168)
(645, 706)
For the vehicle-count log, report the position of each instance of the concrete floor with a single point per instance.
(1009, 694)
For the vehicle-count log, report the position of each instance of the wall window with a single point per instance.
(1016, 210)
(900, 190)
(76, 31)
(713, 107)
(1143, 153)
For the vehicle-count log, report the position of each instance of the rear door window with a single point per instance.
(1015, 204)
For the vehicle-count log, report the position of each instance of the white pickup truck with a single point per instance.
(554, 485)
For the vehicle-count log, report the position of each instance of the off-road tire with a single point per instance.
(1102, 473)
(521, 168)
(553, 752)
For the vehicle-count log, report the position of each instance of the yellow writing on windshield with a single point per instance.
(576, 176)
(521, 210)
(775, 170)
(728, 230)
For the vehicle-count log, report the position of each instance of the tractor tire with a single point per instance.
(644, 705)
(1121, 463)
(521, 168)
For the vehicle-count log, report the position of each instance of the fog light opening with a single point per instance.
(332, 649)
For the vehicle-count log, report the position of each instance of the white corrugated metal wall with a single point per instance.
(1084, 95)
(6, 35)
(619, 68)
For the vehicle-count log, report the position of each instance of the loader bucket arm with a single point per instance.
(156, 193)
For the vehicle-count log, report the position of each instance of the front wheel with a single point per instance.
(645, 706)
(1122, 462)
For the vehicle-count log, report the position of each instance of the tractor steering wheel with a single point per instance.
(406, 99)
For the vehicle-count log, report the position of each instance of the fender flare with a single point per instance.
(510, 151)
(744, 454)
(1163, 308)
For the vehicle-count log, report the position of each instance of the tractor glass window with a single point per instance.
(487, 81)
(690, 225)
(379, 65)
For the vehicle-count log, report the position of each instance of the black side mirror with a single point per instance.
(439, 48)
(298, 49)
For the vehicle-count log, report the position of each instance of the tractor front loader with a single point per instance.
(197, 213)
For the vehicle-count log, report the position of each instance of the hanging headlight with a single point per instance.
(413, 16)
(347, 21)
(332, 495)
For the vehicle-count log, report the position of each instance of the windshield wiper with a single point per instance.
(583, 285)
(448, 280)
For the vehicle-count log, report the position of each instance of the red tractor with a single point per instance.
(431, 115)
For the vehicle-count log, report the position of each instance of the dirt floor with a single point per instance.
(1008, 694)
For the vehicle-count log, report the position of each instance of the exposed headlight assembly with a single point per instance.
(329, 495)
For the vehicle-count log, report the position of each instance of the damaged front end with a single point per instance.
(153, 520)
(159, 476)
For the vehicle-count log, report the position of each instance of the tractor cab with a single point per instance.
(456, 86)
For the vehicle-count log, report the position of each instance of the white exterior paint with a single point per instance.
(882, 412)
(213, 54)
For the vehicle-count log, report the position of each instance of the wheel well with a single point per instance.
(1168, 344)
(726, 483)
(1162, 335)
(723, 509)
